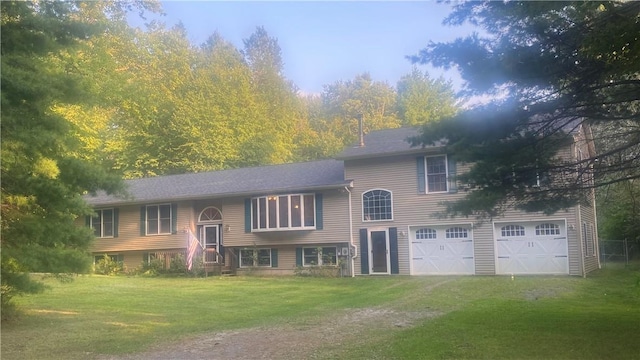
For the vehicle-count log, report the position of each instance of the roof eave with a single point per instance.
(417, 150)
(343, 184)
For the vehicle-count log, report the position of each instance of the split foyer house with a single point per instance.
(370, 211)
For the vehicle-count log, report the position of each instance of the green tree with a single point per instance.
(315, 139)
(279, 108)
(546, 68)
(619, 211)
(43, 179)
(217, 115)
(346, 101)
(421, 99)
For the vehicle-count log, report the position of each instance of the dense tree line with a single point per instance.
(163, 105)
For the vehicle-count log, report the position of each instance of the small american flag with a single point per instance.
(192, 248)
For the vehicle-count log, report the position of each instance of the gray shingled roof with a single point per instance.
(235, 182)
(383, 143)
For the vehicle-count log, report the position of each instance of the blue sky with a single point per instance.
(323, 42)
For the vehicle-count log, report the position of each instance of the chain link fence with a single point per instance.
(619, 251)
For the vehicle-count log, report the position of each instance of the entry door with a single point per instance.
(211, 242)
(379, 259)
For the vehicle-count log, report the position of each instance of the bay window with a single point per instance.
(283, 212)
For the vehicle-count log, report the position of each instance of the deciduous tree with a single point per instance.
(346, 101)
(422, 99)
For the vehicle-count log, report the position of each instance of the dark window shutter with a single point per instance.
(393, 250)
(87, 221)
(143, 220)
(116, 221)
(364, 252)
(174, 218)
(221, 244)
(247, 215)
(274, 258)
(451, 165)
(145, 258)
(421, 176)
(298, 256)
(319, 223)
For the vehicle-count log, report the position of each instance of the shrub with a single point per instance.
(108, 266)
(317, 271)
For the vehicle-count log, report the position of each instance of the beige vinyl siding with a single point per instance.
(591, 262)
(129, 238)
(397, 174)
(335, 224)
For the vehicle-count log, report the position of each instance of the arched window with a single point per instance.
(425, 233)
(456, 233)
(210, 214)
(512, 230)
(377, 205)
(547, 229)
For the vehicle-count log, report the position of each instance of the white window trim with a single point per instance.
(200, 221)
(278, 227)
(319, 256)
(555, 227)
(434, 232)
(465, 231)
(426, 174)
(362, 207)
(146, 219)
(113, 223)
(255, 257)
(512, 228)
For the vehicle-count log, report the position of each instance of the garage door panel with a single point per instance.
(442, 255)
(531, 253)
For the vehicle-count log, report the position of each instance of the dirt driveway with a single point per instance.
(314, 338)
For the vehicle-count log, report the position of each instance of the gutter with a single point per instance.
(352, 245)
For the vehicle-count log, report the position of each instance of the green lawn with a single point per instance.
(482, 317)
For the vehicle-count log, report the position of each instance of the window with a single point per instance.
(426, 233)
(436, 173)
(255, 257)
(588, 237)
(377, 205)
(456, 233)
(512, 230)
(547, 229)
(283, 212)
(159, 219)
(319, 256)
(210, 214)
(103, 224)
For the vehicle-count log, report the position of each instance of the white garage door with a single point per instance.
(531, 248)
(441, 250)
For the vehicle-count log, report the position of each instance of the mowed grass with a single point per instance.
(524, 318)
(537, 317)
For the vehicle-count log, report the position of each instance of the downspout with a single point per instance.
(352, 245)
